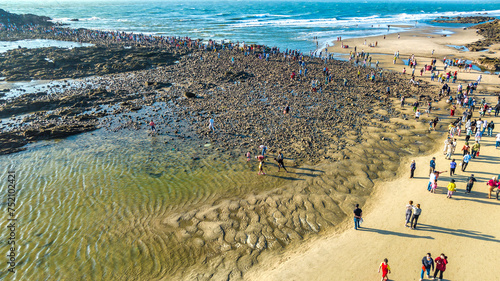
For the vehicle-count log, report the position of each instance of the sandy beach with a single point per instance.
(464, 228)
(421, 42)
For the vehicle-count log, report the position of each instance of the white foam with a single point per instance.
(402, 18)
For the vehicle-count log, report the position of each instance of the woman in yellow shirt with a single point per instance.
(452, 187)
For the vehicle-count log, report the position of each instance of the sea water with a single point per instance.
(89, 206)
(286, 24)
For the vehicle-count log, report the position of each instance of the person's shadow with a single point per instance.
(458, 232)
(388, 232)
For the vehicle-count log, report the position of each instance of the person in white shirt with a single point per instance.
(498, 141)
(211, 125)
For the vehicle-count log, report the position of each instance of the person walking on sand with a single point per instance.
(416, 214)
(434, 122)
(475, 149)
(279, 159)
(357, 217)
(470, 183)
(434, 186)
(413, 166)
(450, 150)
(453, 165)
(441, 263)
(446, 145)
(384, 266)
(466, 148)
(432, 178)
(452, 187)
(427, 264)
(432, 165)
(492, 184)
(409, 212)
(491, 127)
(465, 161)
(261, 166)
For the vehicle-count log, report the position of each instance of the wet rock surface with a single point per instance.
(491, 33)
(459, 19)
(11, 18)
(55, 63)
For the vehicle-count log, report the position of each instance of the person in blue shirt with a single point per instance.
(413, 166)
(427, 263)
(465, 161)
(453, 165)
(432, 165)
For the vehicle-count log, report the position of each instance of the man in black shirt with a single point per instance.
(470, 183)
(497, 109)
(357, 217)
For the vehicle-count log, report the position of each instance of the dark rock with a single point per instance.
(25, 19)
(459, 19)
(189, 95)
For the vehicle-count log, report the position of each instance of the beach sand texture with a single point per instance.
(465, 228)
(421, 42)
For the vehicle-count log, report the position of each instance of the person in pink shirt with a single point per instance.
(153, 127)
(492, 184)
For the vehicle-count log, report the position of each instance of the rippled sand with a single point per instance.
(117, 205)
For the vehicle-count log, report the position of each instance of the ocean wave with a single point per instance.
(91, 19)
(61, 20)
(402, 18)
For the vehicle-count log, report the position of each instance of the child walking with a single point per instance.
(434, 186)
(384, 266)
(261, 167)
(452, 187)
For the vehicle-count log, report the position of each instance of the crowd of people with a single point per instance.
(465, 127)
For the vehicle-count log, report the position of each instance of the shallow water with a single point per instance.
(91, 205)
(40, 43)
(459, 48)
(37, 86)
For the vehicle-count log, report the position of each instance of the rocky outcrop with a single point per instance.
(491, 33)
(19, 20)
(57, 131)
(471, 19)
(11, 142)
(492, 64)
(56, 63)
